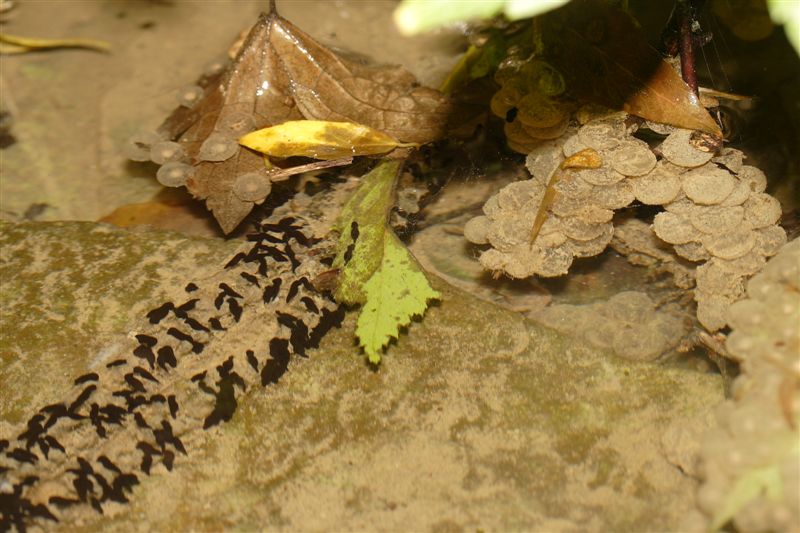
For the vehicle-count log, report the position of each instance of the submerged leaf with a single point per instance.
(396, 292)
(606, 59)
(320, 140)
(326, 86)
(15, 44)
(281, 74)
(362, 228)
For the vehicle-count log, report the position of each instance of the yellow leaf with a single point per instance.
(586, 158)
(320, 139)
(14, 44)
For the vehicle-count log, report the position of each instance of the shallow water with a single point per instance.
(477, 419)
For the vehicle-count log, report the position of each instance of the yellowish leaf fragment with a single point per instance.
(320, 139)
(396, 292)
(585, 159)
(14, 44)
(547, 201)
(459, 75)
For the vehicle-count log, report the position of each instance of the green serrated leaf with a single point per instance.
(368, 208)
(376, 269)
(396, 292)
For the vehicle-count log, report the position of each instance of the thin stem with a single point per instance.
(686, 19)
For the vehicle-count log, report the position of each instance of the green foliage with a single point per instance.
(376, 270)
(416, 16)
(396, 292)
(368, 209)
(788, 14)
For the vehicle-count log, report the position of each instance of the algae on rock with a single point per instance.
(70, 289)
(509, 426)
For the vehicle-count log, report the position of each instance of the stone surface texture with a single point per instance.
(475, 420)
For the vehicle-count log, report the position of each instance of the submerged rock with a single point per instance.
(71, 289)
(476, 419)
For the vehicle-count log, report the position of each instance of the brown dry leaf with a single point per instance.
(328, 87)
(282, 74)
(606, 59)
(170, 209)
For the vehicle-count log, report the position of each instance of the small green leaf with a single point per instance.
(416, 16)
(396, 292)
(376, 270)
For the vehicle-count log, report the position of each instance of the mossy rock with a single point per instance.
(69, 289)
(475, 420)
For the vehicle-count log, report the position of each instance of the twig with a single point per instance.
(282, 174)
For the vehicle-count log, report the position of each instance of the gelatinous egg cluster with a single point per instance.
(529, 101)
(715, 210)
(749, 463)
(628, 323)
(183, 159)
(179, 164)
(578, 222)
(722, 217)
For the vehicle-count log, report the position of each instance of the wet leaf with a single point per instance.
(360, 246)
(376, 269)
(397, 292)
(15, 44)
(171, 209)
(606, 59)
(281, 74)
(328, 87)
(320, 139)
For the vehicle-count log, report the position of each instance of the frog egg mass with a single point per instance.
(174, 174)
(216, 66)
(252, 187)
(189, 96)
(235, 125)
(217, 148)
(138, 146)
(166, 151)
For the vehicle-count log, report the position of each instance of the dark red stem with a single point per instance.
(685, 43)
